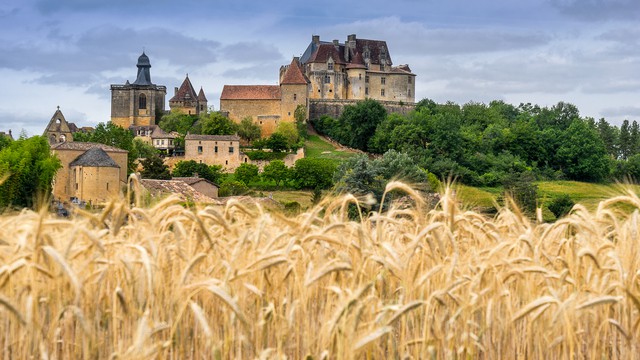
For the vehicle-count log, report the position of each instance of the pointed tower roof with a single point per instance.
(185, 92)
(201, 96)
(144, 74)
(357, 62)
(293, 75)
(94, 157)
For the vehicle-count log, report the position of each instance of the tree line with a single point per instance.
(486, 144)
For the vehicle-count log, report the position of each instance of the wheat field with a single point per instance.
(238, 282)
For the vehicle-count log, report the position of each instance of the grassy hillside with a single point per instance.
(315, 146)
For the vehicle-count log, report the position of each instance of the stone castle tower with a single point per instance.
(140, 103)
(186, 101)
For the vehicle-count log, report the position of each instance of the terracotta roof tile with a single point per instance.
(293, 75)
(357, 62)
(176, 187)
(250, 92)
(193, 180)
(185, 92)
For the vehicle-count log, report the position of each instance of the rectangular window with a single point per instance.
(215, 149)
(366, 91)
(330, 66)
(199, 149)
(366, 79)
(383, 80)
(409, 93)
(359, 76)
(230, 149)
(295, 97)
(409, 80)
(381, 92)
(327, 79)
(107, 186)
(381, 67)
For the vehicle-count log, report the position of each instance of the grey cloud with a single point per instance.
(625, 111)
(594, 10)
(247, 52)
(266, 72)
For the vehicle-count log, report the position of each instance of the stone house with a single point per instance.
(95, 177)
(85, 172)
(140, 103)
(214, 150)
(186, 101)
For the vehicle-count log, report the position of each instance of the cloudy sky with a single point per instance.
(67, 52)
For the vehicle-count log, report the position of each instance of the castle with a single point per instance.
(328, 76)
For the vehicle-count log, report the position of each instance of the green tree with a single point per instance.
(141, 149)
(522, 189)
(248, 130)
(300, 114)
(154, 168)
(232, 188)
(277, 142)
(625, 145)
(277, 171)
(178, 122)
(360, 122)
(214, 123)
(4, 141)
(311, 173)
(247, 173)
(582, 153)
(29, 168)
(609, 135)
(289, 132)
(361, 176)
(188, 168)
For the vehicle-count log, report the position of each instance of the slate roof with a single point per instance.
(201, 96)
(94, 157)
(177, 187)
(293, 75)
(375, 47)
(250, 92)
(326, 51)
(186, 92)
(84, 146)
(212, 137)
(144, 75)
(357, 62)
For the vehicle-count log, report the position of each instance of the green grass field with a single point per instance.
(316, 147)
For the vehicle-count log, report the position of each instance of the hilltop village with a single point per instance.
(325, 79)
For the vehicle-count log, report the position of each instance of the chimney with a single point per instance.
(175, 90)
(196, 175)
(315, 39)
(350, 47)
(336, 43)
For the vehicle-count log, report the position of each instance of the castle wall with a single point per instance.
(239, 109)
(292, 96)
(334, 108)
(125, 101)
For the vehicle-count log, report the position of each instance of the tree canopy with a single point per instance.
(27, 167)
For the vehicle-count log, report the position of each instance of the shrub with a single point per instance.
(561, 205)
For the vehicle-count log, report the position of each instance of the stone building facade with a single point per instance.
(214, 150)
(356, 70)
(267, 105)
(75, 171)
(186, 101)
(140, 103)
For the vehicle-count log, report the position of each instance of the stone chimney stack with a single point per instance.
(350, 44)
(175, 90)
(315, 39)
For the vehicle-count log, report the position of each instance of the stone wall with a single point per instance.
(239, 109)
(334, 108)
(95, 185)
(210, 152)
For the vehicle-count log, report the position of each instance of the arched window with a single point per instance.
(142, 101)
(63, 138)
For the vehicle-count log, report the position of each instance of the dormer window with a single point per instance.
(330, 65)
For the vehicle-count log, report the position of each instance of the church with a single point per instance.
(140, 103)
